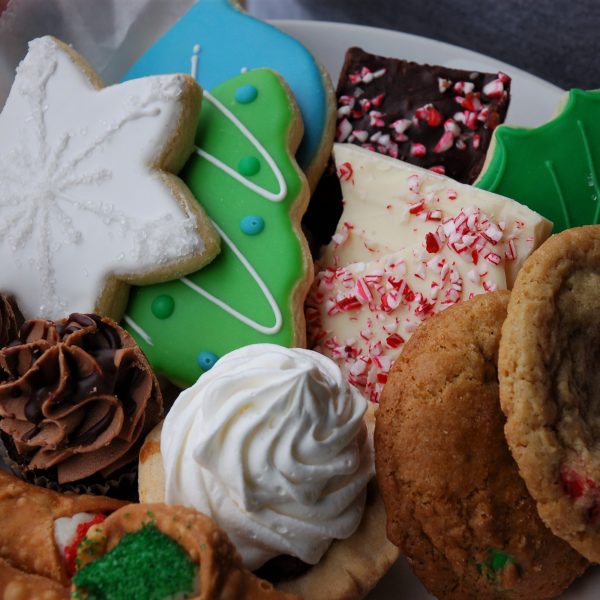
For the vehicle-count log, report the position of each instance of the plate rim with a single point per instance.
(413, 38)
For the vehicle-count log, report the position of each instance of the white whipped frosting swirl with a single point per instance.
(271, 443)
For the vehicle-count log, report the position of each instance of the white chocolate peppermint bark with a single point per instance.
(390, 205)
(410, 243)
(86, 203)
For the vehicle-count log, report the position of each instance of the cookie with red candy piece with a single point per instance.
(550, 382)
(431, 116)
(455, 503)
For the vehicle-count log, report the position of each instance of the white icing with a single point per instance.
(272, 445)
(273, 197)
(266, 194)
(265, 329)
(80, 200)
(65, 529)
(273, 329)
(194, 60)
(138, 329)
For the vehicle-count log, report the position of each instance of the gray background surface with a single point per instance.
(556, 40)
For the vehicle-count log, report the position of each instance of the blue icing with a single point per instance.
(206, 360)
(252, 225)
(230, 40)
(246, 94)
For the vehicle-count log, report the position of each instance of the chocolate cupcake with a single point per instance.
(77, 398)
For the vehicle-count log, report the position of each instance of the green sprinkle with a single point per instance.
(145, 564)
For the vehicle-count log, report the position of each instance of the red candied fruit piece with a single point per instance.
(574, 484)
(578, 486)
(80, 533)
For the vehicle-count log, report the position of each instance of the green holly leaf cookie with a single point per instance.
(244, 175)
(553, 168)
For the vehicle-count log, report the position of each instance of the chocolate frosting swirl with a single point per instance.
(76, 396)
(10, 319)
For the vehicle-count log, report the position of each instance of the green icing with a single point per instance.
(249, 165)
(200, 325)
(554, 168)
(145, 564)
(163, 307)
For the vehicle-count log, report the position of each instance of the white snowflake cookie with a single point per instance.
(88, 201)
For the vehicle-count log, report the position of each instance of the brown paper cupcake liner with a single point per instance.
(122, 484)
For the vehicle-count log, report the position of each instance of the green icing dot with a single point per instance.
(144, 564)
(248, 166)
(163, 306)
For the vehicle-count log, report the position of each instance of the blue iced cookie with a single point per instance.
(215, 41)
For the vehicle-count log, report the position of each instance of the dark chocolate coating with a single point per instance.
(408, 86)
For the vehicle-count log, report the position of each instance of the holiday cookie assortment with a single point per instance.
(194, 404)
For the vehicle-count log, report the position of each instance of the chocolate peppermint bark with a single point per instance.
(431, 116)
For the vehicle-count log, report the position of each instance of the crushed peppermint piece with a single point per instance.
(345, 171)
(443, 84)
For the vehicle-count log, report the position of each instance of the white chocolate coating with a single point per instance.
(390, 205)
(409, 243)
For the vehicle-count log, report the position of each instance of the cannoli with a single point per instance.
(28, 516)
(161, 551)
(18, 585)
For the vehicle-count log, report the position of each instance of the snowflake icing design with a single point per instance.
(80, 197)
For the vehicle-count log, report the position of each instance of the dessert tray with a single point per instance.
(534, 101)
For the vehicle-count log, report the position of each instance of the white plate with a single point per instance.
(533, 102)
(533, 99)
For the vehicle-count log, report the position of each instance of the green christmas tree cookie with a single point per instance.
(244, 175)
(553, 168)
